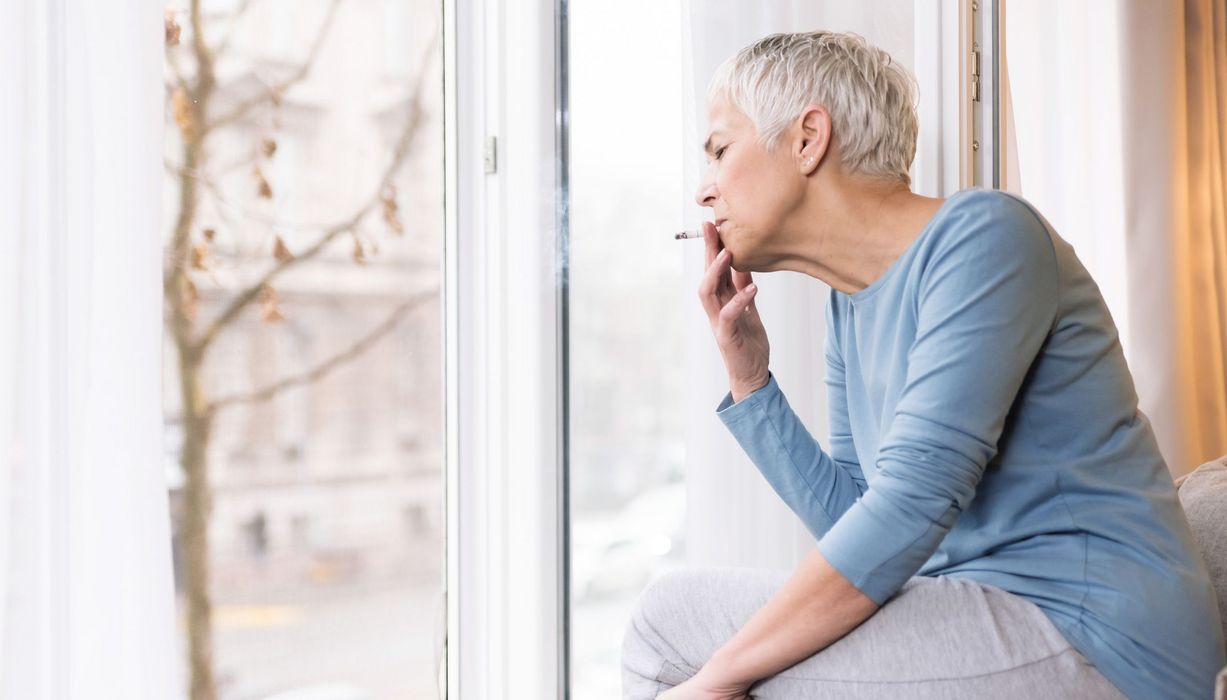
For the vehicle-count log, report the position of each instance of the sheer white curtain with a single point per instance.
(1174, 55)
(733, 516)
(1100, 102)
(86, 593)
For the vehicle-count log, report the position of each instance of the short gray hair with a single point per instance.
(871, 98)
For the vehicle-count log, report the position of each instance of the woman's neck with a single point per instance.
(851, 232)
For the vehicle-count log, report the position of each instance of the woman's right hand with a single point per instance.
(728, 297)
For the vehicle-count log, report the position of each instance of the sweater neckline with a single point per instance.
(908, 252)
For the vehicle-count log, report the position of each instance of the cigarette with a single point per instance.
(687, 234)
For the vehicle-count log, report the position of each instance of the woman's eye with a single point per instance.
(720, 152)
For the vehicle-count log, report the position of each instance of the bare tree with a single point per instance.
(192, 87)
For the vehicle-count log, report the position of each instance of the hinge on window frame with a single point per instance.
(975, 72)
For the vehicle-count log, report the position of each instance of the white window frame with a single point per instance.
(505, 541)
(958, 144)
(505, 315)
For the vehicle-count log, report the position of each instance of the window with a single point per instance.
(304, 234)
(629, 302)
(656, 481)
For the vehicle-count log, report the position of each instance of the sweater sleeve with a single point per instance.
(986, 300)
(842, 446)
(817, 487)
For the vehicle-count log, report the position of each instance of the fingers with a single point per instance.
(741, 279)
(711, 242)
(714, 287)
(739, 304)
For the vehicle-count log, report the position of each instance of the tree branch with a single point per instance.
(224, 45)
(193, 155)
(205, 78)
(328, 365)
(279, 89)
(250, 215)
(251, 293)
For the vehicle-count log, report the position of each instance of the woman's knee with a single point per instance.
(652, 658)
(659, 609)
(661, 600)
(701, 602)
(687, 613)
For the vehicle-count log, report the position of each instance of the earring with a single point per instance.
(809, 161)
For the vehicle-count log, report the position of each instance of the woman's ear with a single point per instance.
(813, 137)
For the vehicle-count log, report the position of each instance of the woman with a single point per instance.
(994, 516)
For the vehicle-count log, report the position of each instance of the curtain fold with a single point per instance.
(1171, 54)
(86, 590)
(1205, 238)
(1116, 132)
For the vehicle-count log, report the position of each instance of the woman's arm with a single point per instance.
(814, 608)
(817, 487)
(811, 482)
(987, 301)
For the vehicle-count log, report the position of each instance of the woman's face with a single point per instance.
(751, 191)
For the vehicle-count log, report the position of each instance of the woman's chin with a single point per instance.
(743, 260)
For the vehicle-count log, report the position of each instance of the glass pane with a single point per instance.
(627, 301)
(643, 429)
(303, 368)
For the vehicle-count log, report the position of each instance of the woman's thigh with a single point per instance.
(943, 637)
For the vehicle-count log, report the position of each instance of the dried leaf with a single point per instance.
(200, 256)
(270, 311)
(181, 109)
(391, 210)
(268, 147)
(281, 252)
(172, 28)
(209, 234)
(359, 252)
(264, 189)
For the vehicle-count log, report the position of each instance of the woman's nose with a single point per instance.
(706, 196)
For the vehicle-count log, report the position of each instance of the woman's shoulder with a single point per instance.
(996, 207)
(986, 224)
(987, 240)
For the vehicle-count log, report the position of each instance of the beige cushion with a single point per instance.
(1203, 493)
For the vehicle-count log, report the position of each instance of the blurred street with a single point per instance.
(381, 640)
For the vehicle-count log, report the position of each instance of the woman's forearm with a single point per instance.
(813, 609)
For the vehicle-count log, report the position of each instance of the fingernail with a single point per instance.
(723, 254)
(752, 288)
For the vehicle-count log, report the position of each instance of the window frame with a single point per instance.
(506, 309)
(504, 325)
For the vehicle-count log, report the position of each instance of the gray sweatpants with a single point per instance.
(941, 637)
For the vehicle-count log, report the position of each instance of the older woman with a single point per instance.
(994, 517)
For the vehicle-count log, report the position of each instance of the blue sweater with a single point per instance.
(984, 424)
